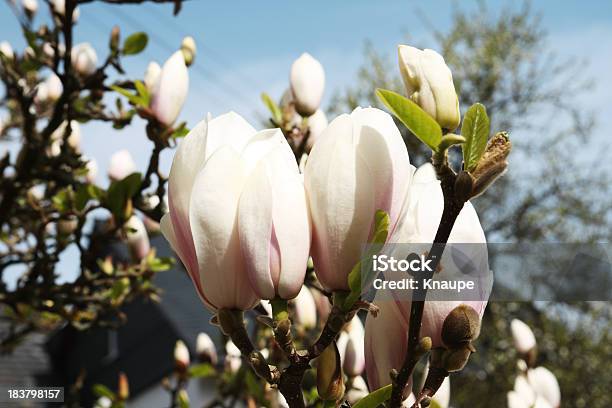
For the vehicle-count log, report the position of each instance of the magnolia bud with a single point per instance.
(151, 77)
(121, 165)
(305, 309)
(492, 164)
(307, 81)
(103, 402)
(545, 384)
(84, 59)
(429, 83)
(30, 7)
(50, 90)
(114, 38)
(329, 374)
(461, 326)
(205, 348)
(6, 50)
(522, 336)
(188, 47)
(358, 390)
(123, 387)
(316, 125)
(137, 238)
(67, 226)
(171, 90)
(59, 6)
(92, 171)
(181, 356)
(233, 359)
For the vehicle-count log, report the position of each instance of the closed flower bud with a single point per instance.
(92, 171)
(492, 164)
(188, 47)
(305, 309)
(350, 345)
(181, 356)
(84, 59)
(358, 390)
(123, 387)
(114, 38)
(6, 50)
(171, 90)
(30, 7)
(103, 402)
(67, 226)
(359, 165)
(121, 165)
(49, 90)
(183, 398)
(545, 385)
(57, 138)
(461, 326)
(429, 83)
(316, 125)
(307, 81)
(59, 7)
(206, 349)
(137, 238)
(522, 336)
(329, 374)
(151, 78)
(233, 359)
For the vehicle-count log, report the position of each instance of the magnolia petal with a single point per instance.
(228, 129)
(212, 215)
(171, 90)
(260, 145)
(340, 191)
(255, 229)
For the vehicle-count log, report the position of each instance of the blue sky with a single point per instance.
(246, 47)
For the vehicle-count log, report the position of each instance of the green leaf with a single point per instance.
(134, 99)
(161, 264)
(180, 131)
(410, 114)
(103, 391)
(143, 92)
(201, 370)
(64, 199)
(277, 114)
(475, 129)
(434, 404)
(376, 398)
(120, 192)
(135, 43)
(359, 271)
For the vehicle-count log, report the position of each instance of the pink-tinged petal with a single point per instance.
(386, 339)
(340, 191)
(255, 231)
(171, 89)
(188, 161)
(213, 216)
(168, 231)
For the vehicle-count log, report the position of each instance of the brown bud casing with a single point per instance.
(329, 374)
(461, 326)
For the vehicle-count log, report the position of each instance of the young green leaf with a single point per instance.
(475, 128)
(102, 390)
(277, 114)
(201, 370)
(143, 92)
(362, 271)
(120, 192)
(135, 43)
(410, 114)
(134, 99)
(375, 398)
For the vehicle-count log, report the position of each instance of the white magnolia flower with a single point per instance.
(49, 90)
(429, 83)
(30, 6)
(84, 59)
(59, 6)
(121, 165)
(151, 78)
(181, 354)
(57, 138)
(307, 81)
(305, 309)
(206, 349)
(171, 90)
(522, 335)
(233, 359)
(6, 50)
